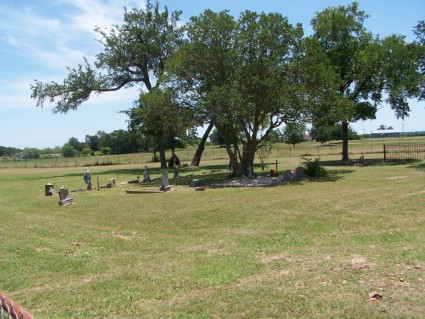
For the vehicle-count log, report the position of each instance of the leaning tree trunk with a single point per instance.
(201, 147)
(345, 141)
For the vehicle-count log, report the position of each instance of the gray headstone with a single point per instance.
(111, 183)
(299, 172)
(197, 183)
(146, 177)
(64, 197)
(287, 176)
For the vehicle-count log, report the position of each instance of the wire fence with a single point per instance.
(10, 309)
(311, 149)
(404, 151)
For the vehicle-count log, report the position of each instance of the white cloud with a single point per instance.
(51, 38)
(63, 35)
(94, 13)
(17, 95)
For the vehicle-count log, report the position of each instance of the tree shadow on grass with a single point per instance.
(331, 176)
(367, 162)
(420, 166)
(213, 174)
(209, 174)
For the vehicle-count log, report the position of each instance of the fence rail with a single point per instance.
(404, 151)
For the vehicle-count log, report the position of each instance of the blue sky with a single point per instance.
(40, 39)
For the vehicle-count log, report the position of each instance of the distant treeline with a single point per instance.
(116, 142)
(414, 133)
(125, 142)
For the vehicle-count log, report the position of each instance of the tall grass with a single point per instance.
(310, 249)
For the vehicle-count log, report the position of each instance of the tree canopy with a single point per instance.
(246, 76)
(370, 70)
(133, 53)
(249, 75)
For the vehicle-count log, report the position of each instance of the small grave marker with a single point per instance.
(111, 183)
(197, 183)
(164, 183)
(287, 175)
(299, 172)
(146, 177)
(48, 189)
(64, 197)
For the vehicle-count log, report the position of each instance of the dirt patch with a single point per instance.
(398, 177)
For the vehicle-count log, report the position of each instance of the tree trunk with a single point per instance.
(234, 165)
(162, 157)
(248, 158)
(344, 126)
(198, 154)
(245, 167)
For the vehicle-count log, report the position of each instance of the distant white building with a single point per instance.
(385, 133)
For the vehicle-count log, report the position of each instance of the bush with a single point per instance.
(315, 169)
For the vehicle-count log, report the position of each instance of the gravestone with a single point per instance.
(197, 183)
(287, 175)
(64, 197)
(146, 177)
(48, 189)
(87, 178)
(164, 183)
(299, 172)
(111, 183)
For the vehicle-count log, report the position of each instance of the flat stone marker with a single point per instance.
(134, 181)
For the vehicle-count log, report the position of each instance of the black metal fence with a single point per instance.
(404, 151)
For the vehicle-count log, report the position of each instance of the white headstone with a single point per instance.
(164, 182)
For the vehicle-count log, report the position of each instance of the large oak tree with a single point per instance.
(250, 76)
(371, 71)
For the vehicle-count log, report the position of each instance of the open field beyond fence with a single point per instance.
(350, 245)
(367, 147)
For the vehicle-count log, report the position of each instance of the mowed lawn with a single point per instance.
(318, 248)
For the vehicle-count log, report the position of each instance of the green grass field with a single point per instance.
(311, 249)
